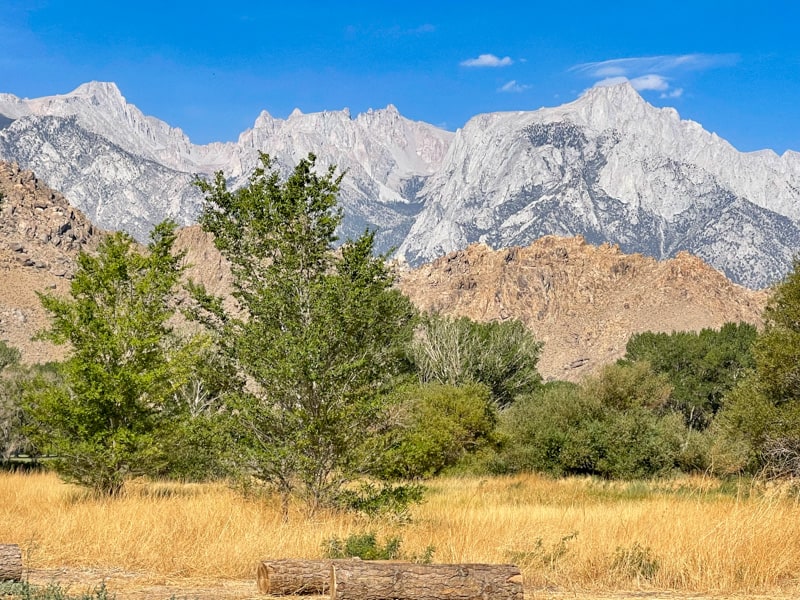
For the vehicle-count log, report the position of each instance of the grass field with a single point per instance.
(694, 535)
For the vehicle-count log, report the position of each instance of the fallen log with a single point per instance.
(354, 580)
(294, 577)
(10, 562)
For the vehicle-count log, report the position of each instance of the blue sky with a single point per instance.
(211, 68)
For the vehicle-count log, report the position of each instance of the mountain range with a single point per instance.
(608, 166)
(582, 301)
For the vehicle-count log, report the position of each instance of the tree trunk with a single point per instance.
(10, 562)
(294, 577)
(365, 580)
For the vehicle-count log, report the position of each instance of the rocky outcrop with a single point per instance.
(40, 237)
(582, 301)
(38, 227)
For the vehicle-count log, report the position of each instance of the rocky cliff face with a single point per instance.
(583, 301)
(608, 166)
(612, 168)
(40, 237)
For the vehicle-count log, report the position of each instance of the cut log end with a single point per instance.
(10, 562)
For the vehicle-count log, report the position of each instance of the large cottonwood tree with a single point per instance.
(321, 333)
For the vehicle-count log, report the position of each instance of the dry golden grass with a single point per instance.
(687, 535)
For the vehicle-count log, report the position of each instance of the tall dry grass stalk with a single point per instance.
(690, 535)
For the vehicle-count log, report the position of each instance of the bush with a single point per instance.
(614, 425)
(437, 425)
(362, 545)
(26, 591)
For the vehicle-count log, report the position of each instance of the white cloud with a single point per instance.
(487, 60)
(652, 73)
(513, 87)
(650, 82)
(675, 93)
(637, 66)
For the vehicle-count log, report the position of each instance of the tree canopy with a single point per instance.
(323, 332)
(125, 363)
(700, 366)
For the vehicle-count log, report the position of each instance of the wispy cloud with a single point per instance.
(633, 67)
(652, 73)
(513, 87)
(487, 60)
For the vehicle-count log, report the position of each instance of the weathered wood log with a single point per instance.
(367, 580)
(10, 562)
(294, 577)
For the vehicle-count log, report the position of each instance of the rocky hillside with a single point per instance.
(582, 301)
(40, 236)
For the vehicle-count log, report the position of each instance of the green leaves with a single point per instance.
(323, 330)
(502, 356)
(701, 367)
(125, 365)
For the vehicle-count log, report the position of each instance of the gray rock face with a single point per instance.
(614, 169)
(608, 166)
(129, 171)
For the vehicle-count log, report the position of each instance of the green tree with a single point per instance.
(500, 355)
(612, 425)
(12, 438)
(701, 367)
(761, 419)
(105, 422)
(323, 336)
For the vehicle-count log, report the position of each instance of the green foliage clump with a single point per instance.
(367, 547)
(435, 426)
(12, 438)
(323, 336)
(612, 426)
(364, 546)
(27, 591)
(760, 423)
(16, 445)
(9, 355)
(701, 367)
(105, 419)
(500, 355)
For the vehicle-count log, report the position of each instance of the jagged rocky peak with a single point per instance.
(608, 166)
(39, 229)
(99, 91)
(613, 168)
